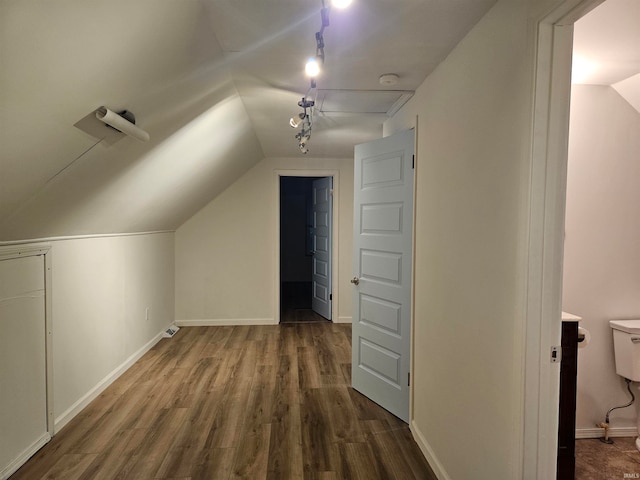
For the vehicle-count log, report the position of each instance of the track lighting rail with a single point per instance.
(304, 120)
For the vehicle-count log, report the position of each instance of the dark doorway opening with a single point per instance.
(296, 250)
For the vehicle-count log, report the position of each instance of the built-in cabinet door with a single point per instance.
(23, 385)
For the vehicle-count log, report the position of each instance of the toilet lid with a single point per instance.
(628, 326)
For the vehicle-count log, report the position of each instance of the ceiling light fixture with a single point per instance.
(312, 69)
(123, 121)
(341, 3)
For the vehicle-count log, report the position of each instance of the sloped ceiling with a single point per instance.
(607, 48)
(214, 82)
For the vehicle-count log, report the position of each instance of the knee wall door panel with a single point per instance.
(23, 392)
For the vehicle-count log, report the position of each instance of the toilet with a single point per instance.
(626, 345)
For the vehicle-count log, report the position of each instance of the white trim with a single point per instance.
(48, 325)
(222, 322)
(335, 233)
(613, 432)
(543, 290)
(81, 237)
(92, 394)
(343, 320)
(428, 453)
(544, 275)
(414, 246)
(24, 456)
(26, 250)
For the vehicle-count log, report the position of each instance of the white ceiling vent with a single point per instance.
(358, 102)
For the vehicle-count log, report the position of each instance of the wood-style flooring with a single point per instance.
(259, 402)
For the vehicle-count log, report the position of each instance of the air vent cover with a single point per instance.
(171, 331)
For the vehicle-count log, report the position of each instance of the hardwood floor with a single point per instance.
(259, 402)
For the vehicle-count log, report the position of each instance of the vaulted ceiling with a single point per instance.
(214, 82)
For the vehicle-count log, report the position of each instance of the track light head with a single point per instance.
(296, 120)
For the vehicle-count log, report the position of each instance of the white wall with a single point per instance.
(226, 268)
(472, 177)
(101, 288)
(602, 254)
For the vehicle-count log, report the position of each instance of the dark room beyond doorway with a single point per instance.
(296, 250)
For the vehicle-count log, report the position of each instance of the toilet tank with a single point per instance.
(626, 345)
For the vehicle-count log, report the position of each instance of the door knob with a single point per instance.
(355, 280)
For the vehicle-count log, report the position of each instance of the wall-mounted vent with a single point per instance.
(171, 331)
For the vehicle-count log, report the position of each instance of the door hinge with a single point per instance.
(331, 296)
(413, 162)
(409, 379)
(556, 354)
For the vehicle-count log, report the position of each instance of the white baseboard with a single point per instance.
(431, 458)
(613, 432)
(221, 322)
(92, 394)
(343, 320)
(24, 456)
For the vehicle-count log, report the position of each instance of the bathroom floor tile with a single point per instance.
(599, 461)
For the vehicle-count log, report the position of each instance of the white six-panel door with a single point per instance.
(321, 297)
(382, 266)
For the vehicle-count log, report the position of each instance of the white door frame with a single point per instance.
(547, 196)
(335, 235)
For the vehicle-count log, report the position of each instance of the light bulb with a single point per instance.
(341, 3)
(312, 68)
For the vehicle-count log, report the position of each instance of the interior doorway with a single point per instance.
(547, 234)
(601, 274)
(305, 249)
